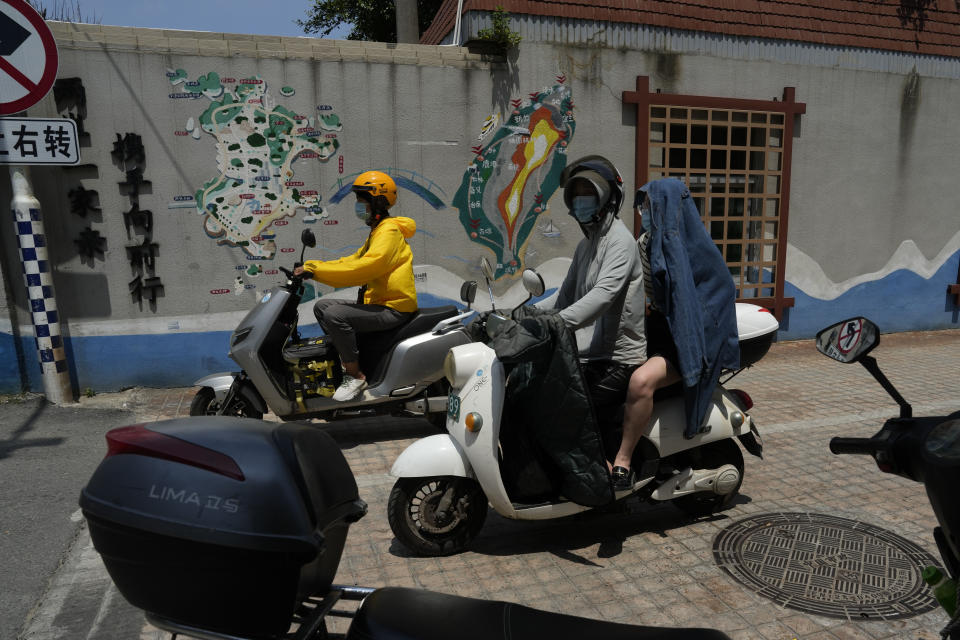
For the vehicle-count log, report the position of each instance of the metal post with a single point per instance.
(43, 304)
(408, 27)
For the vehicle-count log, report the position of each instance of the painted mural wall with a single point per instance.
(201, 169)
(200, 172)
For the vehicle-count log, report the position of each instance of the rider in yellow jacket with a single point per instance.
(384, 264)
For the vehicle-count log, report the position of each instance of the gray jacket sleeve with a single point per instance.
(567, 288)
(615, 267)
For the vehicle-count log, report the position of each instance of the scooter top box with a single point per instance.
(756, 328)
(221, 523)
(228, 481)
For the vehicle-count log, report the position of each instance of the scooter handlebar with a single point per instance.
(856, 446)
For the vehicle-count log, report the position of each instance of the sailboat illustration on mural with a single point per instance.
(550, 230)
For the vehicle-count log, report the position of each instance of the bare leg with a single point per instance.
(653, 374)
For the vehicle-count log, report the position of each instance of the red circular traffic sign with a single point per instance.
(28, 57)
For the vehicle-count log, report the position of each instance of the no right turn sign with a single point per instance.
(28, 57)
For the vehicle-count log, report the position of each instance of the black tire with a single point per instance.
(205, 404)
(711, 456)
(416, 524)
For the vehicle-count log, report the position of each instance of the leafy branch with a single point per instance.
(500, 32)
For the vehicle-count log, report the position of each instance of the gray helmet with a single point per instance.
(601, 175)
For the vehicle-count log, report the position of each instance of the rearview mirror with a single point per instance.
(533, 283)
(486, 268)
(488, 274)
(848, 341)
(308, 239)
(468, 292)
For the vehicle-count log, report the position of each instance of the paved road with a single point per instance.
(46, 455)
(648, 565)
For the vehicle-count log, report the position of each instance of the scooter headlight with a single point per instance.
(460, 365)
(450, 368)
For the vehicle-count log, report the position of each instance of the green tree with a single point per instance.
(374, 20)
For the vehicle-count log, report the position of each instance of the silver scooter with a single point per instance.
(296, 378)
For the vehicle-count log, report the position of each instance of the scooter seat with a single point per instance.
(415, 614)
(425, 319)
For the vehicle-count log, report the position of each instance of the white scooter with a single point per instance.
(439, 501)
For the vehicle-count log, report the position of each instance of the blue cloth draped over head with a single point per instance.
(693, 288)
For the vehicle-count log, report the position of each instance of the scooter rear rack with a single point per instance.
(308, 617)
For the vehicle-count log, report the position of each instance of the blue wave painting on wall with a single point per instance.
(900, 301)
(413, 182)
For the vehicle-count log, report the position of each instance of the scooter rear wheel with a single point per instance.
(205, 404)
(420, 522)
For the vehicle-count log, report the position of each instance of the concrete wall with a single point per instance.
(872, 228)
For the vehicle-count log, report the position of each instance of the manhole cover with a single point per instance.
(826, 565)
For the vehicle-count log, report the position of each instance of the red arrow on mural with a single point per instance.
(516, 102)
(475, 223)
(562, 78)
(477, 149)
(538, 198)
(534, 95)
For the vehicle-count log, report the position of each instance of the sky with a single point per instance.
(261, 17)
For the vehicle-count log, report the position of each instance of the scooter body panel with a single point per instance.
(482, 394)
(219, 382)
(669, 422)
(546, 511)
(436, 455)
(413, 365)
(257, 344)
(416, 363)
(260, 334)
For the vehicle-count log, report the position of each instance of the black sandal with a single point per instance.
(623, 478)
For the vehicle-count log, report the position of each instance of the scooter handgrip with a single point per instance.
(861, 446)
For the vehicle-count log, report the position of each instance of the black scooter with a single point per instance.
(924, 449)
(227, 528)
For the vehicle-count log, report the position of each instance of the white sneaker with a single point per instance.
(349, 389)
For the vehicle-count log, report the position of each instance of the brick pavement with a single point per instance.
(652, 565)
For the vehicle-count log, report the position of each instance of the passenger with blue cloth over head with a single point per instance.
(691, 328)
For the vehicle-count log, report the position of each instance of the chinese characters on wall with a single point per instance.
(129, 155)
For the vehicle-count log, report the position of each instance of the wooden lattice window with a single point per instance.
(734, 155)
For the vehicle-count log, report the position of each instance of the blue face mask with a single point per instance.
(360, 209)
(584, 208)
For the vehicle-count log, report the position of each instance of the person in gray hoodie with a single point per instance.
(603, 288)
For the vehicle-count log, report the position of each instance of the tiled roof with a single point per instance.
(893, 25)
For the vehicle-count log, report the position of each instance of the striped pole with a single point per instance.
(43, 303)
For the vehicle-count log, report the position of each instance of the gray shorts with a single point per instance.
(342, 321)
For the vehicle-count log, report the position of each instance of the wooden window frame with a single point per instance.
(644, 99)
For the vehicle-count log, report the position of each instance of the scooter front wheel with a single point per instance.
(205, 403)
(436, 516)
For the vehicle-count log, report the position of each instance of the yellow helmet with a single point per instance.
(378, 187)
